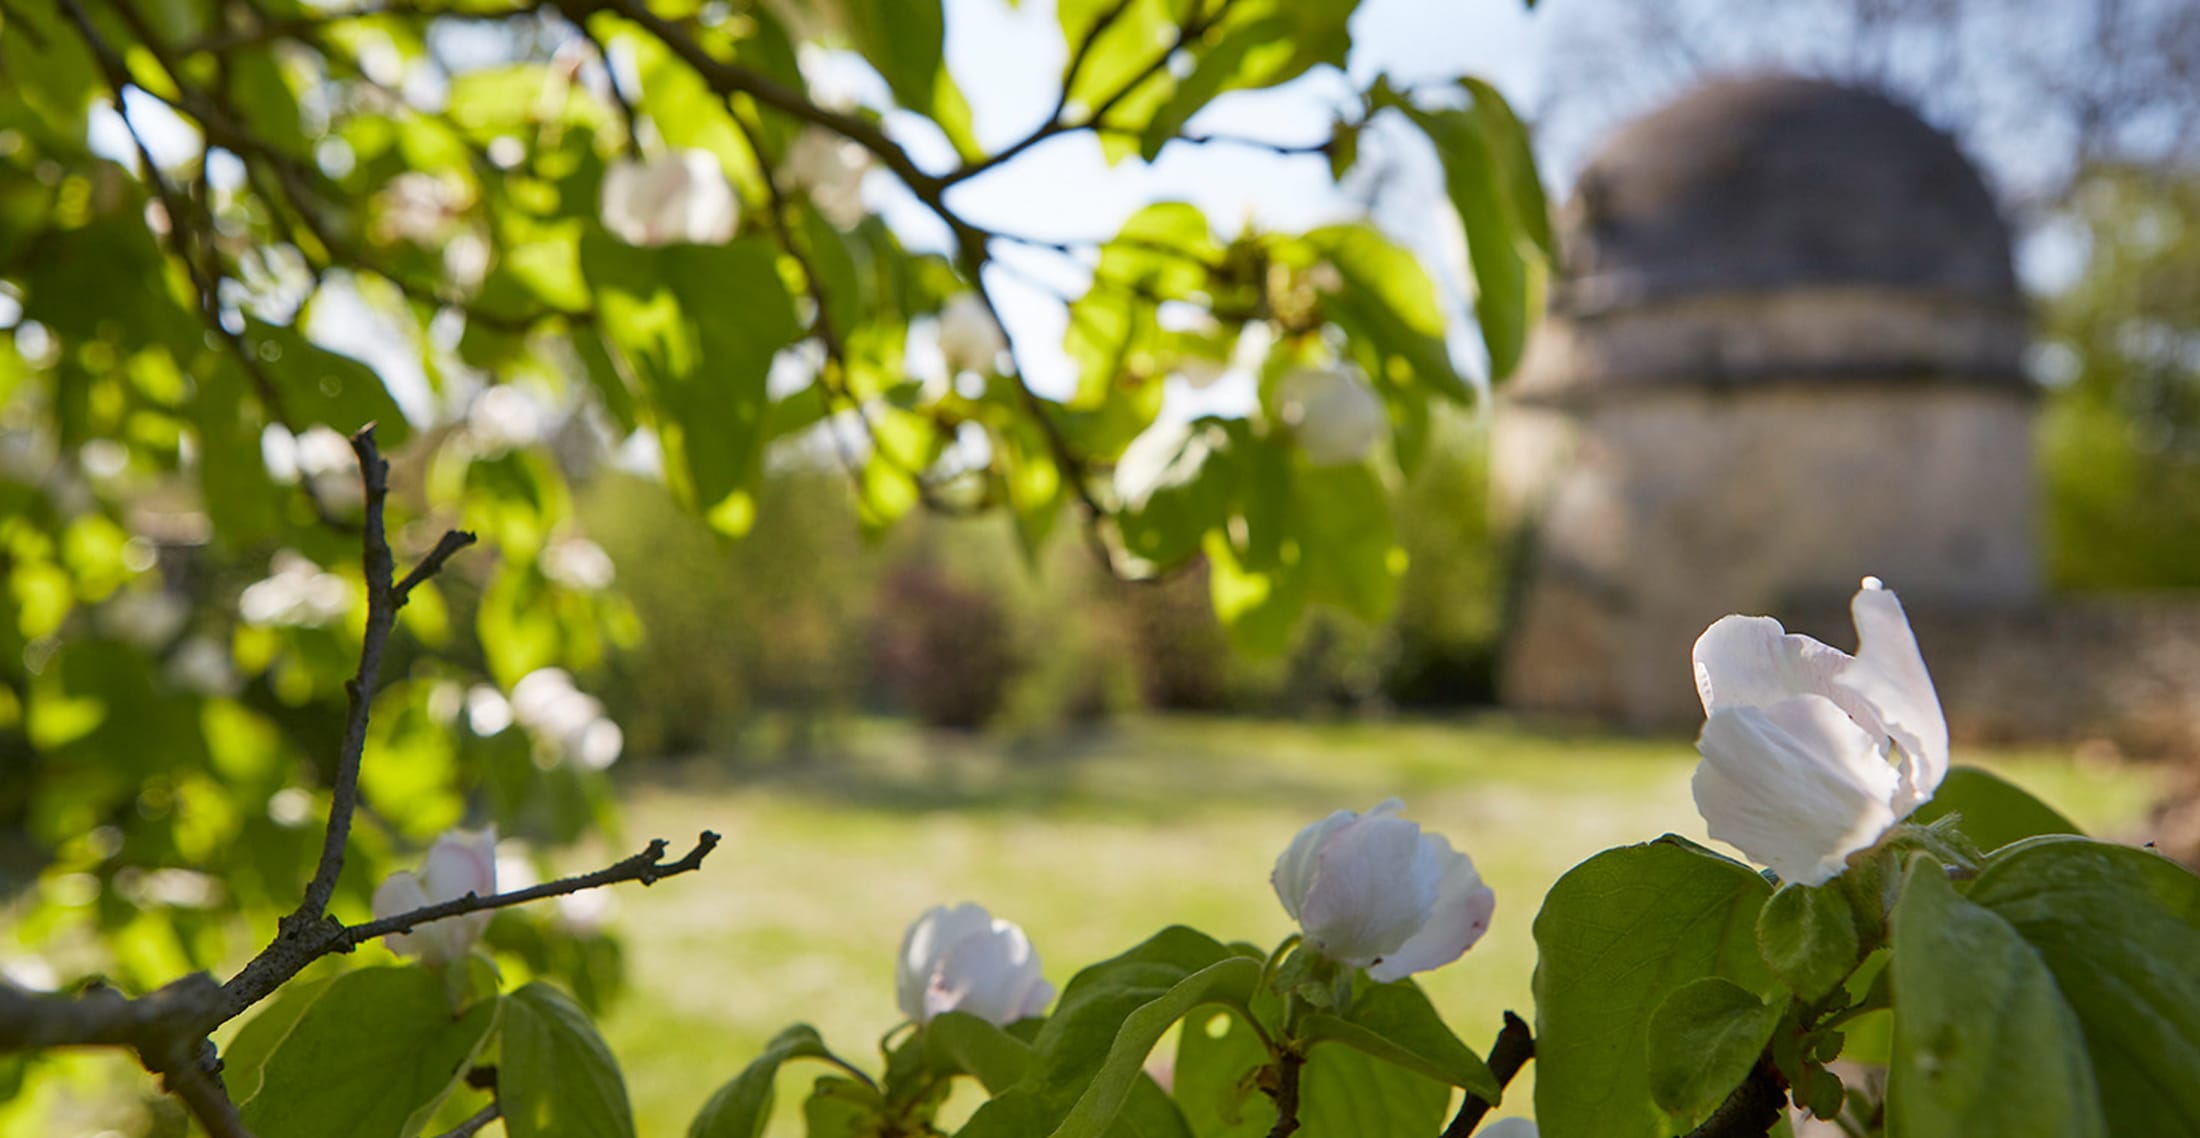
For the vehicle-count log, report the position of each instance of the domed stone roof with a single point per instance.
(1771, 183)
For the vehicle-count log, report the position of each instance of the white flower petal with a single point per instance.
(1370, 890)
(400, 892)
(1889, 675)
(1751, 661)
(1458, 919)
(1509, 1128)
(930, 938)
(993, 975)
(1797, 786)
(1293, 875)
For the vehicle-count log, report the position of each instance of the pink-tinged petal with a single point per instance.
(991, 975)
(1797, 786)
(1371, 890)
(1458, 919)
(929, 939)
(460, 863)
(400, 892)
(1889, 675)
(1751, 661)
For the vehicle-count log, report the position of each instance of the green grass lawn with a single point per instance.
(1096, 845)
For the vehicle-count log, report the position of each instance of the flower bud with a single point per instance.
(1336, 417)
(964, 959)
(969, 337)
(675, 199)
(1372, 891)
(1810, 754)
(458, 863)
(829, 169)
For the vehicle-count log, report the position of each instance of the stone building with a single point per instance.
(1784, 351)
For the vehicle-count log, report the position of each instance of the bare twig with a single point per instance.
(647, 867)
(1514, 1047)
(1286, 1094)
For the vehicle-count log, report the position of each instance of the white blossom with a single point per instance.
(676, 199)
(578, 563)
(202, 666)
(1373, 891)
(829, 169)
(504, 418)
(1509, 1128)
(565, 722)
(296, 593)
(1333, 413)
(458, 863)
(970, 339)
(965, 959)
(1810, 754)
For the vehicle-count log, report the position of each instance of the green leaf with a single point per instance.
(1983, 1040)
(2119, 928)
(1990, 811)
(1808, 937)
(904, 40)
(1349, 1094)
(1230, 982)
(742, 1107)
(556, 1076)
(1386, 303)
(1395, 1023)
(371, 1058)
(1091, 1052)
(1217, 1056)
(1191, 496)
(1475, 146)
(962, 1042)
(1616, 936)
(1704, 1039)
(698, 327)
(322, 387)
(244, 1061)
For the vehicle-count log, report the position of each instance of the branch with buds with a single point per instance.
(169, 1027)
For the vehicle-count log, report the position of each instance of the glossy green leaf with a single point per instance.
(962, 1042)
(1475, 146)
(700, 372)
(1348, 1094)
(742, 1107)
(2119, 929)
(1218, 1055)
(1808, 936)
(1984, 1042)
(371, 1058)
(1704, 1039)
(555, 1075)
(1229, 982)
(1396, 1023)
(1990, 810)
(1616, 936)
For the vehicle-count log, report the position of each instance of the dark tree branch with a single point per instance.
(647, 867)
(1286, 1094)
(1514, 1047)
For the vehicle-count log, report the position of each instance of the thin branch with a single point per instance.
(196, 1083)
(1514, 1047)
(474, 1123)
(1286, 1094)
(647, 867)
